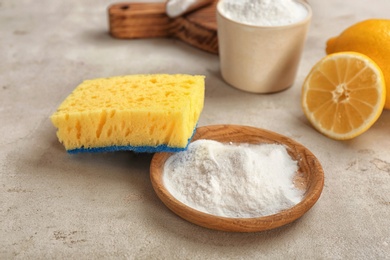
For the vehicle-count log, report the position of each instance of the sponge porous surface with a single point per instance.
(145, 113)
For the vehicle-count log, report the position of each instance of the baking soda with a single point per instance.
(233, 180)
(264, 12)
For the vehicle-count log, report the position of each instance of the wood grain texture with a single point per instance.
(309, 178)
(149, 20)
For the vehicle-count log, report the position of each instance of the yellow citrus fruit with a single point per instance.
(369, 37)
(343, 95)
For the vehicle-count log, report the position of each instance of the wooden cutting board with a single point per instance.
(148, 20)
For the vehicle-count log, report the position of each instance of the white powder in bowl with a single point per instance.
(264, 12)
(233, 180)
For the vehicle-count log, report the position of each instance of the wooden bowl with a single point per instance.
(309, 178)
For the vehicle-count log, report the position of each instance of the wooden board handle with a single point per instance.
(139, 20)
(149, 20)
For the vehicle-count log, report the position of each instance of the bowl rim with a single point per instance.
(304, 157)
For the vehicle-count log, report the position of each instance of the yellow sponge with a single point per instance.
(143, 113)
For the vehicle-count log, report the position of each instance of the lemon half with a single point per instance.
(343, 95)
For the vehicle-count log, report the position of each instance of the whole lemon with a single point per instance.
(369, 37)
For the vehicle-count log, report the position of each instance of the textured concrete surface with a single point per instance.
(91, 206)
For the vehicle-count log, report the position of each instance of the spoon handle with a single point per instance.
(175, 8)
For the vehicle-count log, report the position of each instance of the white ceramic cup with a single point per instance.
(260, 59)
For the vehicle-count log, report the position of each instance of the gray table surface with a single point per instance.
(91, 206)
